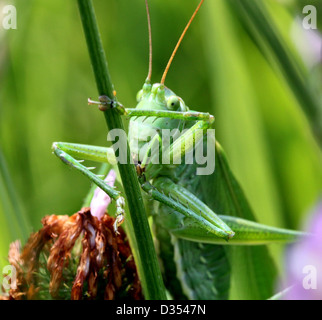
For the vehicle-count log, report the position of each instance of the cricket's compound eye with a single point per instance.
(173, 103)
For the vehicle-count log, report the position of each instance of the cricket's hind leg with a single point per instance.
(191, 219)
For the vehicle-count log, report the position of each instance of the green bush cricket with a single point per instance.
(190, 234)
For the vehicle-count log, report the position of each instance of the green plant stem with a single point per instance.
(137, 222)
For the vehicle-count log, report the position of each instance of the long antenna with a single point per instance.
(150, 41)
(179, 42)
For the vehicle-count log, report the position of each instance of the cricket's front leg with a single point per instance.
(180, 115)
(87, 152)
(106, 103)
(67, 151)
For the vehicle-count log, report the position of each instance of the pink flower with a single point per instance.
(100, 199)
(304, 263)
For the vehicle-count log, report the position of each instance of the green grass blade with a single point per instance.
(14, 223)
(239, 123)
(256, 18)
(280, 295)
(17, 220)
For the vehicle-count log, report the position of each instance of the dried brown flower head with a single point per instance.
(77, 257)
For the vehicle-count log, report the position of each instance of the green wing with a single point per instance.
(191, 270)
(253, 270)
(203, 269)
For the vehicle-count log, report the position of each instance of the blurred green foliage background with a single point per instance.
(46, 78)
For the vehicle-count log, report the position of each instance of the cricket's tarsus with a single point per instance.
(106, 103)
(102, 104)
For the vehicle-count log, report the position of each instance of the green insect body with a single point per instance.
(192, 263)
(192, 237)
(191, 253)
(157, 97)
(203, 269)
(196, 218)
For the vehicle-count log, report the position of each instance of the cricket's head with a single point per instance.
(159, 97)
(142, 130)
